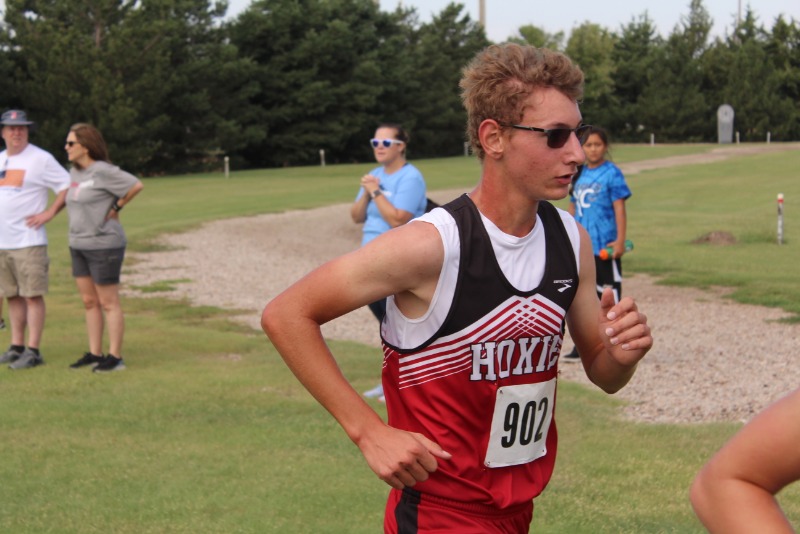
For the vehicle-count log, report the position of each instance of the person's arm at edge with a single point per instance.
(611, 338)
(292, 321)
(734, 491)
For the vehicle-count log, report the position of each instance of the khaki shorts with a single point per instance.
(23, 272)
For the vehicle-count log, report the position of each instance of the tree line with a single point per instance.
(174, 85)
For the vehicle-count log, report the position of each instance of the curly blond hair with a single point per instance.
(497, 81)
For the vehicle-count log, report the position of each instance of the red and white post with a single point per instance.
(780, 218)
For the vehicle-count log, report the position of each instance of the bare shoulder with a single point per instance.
(417, 244)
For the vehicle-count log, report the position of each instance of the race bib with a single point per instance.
(521, 420)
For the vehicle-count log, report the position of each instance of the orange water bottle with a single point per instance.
(608, 252)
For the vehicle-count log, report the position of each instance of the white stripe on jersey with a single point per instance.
(534, 316)
(520, 258)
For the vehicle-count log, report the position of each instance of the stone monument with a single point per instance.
(725, 124)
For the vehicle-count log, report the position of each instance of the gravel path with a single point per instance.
(710, 362)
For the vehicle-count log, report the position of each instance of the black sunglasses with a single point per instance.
(556, 137)
(71, 143)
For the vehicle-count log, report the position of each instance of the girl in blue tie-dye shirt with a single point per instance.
(597, 200)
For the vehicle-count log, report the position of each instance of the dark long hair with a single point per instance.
(603, 137)
(91, 138)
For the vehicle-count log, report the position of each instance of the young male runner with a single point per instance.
(479, 291)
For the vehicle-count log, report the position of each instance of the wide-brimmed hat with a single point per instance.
(15, 117)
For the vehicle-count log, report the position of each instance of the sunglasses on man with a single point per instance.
(556, 137)
(385, 142)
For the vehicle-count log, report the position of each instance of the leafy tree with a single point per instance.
(319, 73)
(673, 105)
(332, 70)
(445, 46)
(783, 50)
(173, 87)
(635, 64)
(590, 46)
(401, 87)
(144, 72)
(538, 37)
(741, 72)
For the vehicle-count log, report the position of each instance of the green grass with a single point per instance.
(207, 431)
(681, 205)
(670, 208)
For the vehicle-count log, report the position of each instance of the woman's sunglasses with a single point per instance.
(385, 142)
(556, 137)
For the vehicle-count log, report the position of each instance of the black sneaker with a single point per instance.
(87, 359)
(572, 357)
(108, 364)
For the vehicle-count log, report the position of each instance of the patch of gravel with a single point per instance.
(713, 359)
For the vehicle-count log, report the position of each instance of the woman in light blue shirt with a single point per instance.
(390, 195)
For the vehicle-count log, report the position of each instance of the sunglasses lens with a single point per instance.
(558, 137)
(385, 142)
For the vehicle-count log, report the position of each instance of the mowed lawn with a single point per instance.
(207, 431)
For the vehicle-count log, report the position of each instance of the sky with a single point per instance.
(504, 17)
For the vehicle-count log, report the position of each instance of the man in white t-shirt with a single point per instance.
(26, 174)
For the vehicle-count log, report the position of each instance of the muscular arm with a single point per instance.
(734, 492)
(611, 338)
(405, 261)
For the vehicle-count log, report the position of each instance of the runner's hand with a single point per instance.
(400, 458)
(624, 329)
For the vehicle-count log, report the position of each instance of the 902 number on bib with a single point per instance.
(524, 427)
(521, 421)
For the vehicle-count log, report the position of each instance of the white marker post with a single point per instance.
(322, 157)
(780, 218)
(227, 167)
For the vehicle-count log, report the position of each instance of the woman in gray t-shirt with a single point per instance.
(99, 190)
